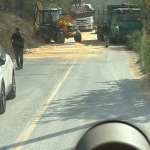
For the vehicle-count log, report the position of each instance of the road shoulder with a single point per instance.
(134, 64)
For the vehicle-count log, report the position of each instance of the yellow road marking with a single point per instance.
(26, 134)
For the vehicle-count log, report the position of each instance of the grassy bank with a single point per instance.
(141, 45)
(8, 22)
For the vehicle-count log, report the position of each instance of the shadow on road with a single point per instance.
(93, 42)
(93, 33)
(48, 136)
(116, 100)
(101, 43)
(118, 47)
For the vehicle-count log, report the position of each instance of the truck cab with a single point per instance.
(86, 23)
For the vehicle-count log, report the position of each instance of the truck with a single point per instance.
(127, 17)
(86, 23)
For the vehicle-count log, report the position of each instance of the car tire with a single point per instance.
(2, 99)
(12, 93)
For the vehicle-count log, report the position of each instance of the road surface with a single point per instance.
(65, 89)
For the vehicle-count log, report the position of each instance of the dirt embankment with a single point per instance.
(144, 79)
(8, 23)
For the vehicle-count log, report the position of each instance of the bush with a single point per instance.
(132, 39)
(140, 44)
(145, 52)
(8, 22)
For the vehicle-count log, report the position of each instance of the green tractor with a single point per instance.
(44, 26)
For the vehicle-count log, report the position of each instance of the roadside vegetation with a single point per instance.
(139, 41)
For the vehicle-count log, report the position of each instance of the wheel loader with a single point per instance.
(51, 24)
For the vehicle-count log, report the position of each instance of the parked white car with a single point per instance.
(7, 79)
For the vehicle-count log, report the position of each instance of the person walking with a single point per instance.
(17, 40)
(116, 32)
(106, 31)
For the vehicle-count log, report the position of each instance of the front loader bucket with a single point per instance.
(81, 11)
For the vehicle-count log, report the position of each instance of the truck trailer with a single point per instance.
(127, 17)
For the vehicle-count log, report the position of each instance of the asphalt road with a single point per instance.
(66, 89)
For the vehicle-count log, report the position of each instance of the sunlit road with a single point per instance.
(65, 89)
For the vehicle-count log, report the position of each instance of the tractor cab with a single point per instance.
(48, 17)
(46, 28)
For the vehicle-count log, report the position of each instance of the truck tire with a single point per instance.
(111, 40)
(43, 36)
(60, 37)
(91, 29)
(55, 38)
(78, 36)
(12, 93)
(2, 99)
(100, 35)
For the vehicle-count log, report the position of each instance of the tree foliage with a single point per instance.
(26, 7)
(141, 43)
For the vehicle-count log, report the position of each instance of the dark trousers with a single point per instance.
(116, 41)
(106, 38)
(19, 56)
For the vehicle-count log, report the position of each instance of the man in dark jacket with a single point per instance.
(17, 40)
(106, 31)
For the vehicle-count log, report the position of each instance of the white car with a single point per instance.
(7, 79)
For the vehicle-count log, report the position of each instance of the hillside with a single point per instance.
(8, 22)
(20, 13)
